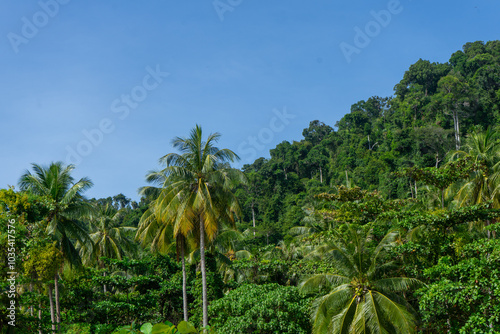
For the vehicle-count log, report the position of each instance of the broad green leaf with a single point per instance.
(161, 328)
(147, 328)
(185, 327)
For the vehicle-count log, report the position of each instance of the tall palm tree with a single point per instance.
(55, 182)
(483, 185)
(196, 195)
(157, 231)
(361, 298)
(108, 238)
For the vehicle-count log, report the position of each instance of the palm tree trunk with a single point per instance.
(203, 273)
(40, 317)
(31, 290)
(184, 285)
(52, 316)
(58, 310)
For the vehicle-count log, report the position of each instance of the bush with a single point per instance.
(78, 329)
(268, 308)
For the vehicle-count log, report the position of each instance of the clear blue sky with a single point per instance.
(73, 70)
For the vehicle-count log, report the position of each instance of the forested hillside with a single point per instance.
(434, 108)
(385, 222)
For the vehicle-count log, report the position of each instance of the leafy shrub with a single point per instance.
(183, 327)
(78, 329)
(269, 308)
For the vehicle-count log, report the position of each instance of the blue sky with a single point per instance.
(108, 84)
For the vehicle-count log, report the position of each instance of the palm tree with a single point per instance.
(484, 183)
(158, 232)
(56, 183)
(108, 238)
(484, 148)
(225, 248)
(361, 298)
(196, 195)
(313, 221)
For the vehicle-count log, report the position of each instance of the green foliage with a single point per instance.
(81, 328)
(140, 294)
(442, 178)
(215, 287)
(183, 327)
(268, 308)
(362, 293)
(44, 262)
(465, 291)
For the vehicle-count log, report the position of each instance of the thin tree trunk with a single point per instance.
(346, 180)
(31, 290)
(437, 160)
(52, 315)
(442, 198)
(40, 317)
(58, 309)
(320, 174)
(105, 288)
(411, 190)
(203, 273)
(457, 129)
(253, 219)
(416, 192)
(184, 285)
(488, 233)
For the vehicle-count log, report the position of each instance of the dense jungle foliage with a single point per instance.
(385, 222)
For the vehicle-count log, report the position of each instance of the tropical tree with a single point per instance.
(484, 149)
(108, 238)
(157, 231)
(362, 296)
(483, 184)
(68, 204)
(196, 196)
(453, 94)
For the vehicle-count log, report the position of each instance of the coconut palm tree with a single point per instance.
(361, 297)
(484, 183)
(196, 196)
(68, 204)
(157, 231)
(108, 238)
(484, 148)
